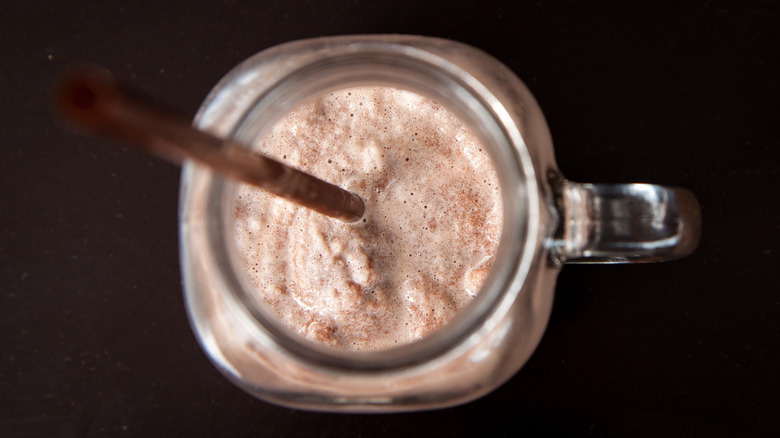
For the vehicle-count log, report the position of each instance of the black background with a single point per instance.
(94, 336)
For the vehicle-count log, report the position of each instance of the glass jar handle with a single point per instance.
(624, 223)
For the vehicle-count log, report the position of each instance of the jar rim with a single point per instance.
(469, 99)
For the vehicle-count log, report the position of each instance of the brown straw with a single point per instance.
(91, 99)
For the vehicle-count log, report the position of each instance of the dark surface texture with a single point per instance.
(95, 340)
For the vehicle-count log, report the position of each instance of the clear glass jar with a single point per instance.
(547, 221)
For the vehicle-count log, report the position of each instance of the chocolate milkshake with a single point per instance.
(423, 248)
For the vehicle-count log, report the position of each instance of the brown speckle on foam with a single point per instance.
(424, 247)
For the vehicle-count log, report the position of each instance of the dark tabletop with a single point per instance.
(93, 331)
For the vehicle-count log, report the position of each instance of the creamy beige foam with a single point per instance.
(427, 240)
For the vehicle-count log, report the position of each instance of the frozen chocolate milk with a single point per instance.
(424, 246)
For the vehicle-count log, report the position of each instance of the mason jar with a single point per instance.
(547, 221)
